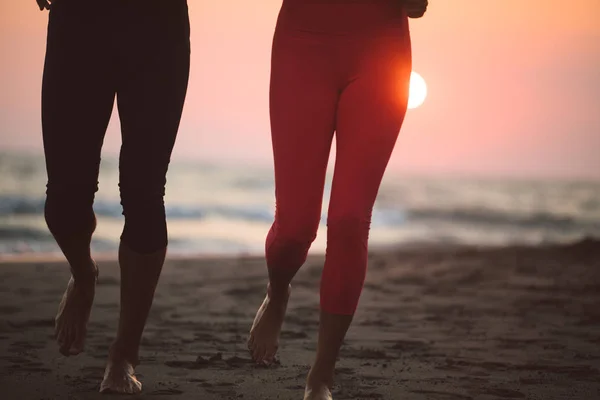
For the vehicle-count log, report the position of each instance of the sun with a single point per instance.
(417, 91)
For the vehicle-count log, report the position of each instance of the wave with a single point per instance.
(539, 220)
(385, 217)
(19, 239)
(13, 205)
(24, 233)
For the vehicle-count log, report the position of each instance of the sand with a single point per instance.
(434, 323)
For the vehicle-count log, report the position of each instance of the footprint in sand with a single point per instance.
(365, 354)
(439, 395)
(9, 310)
(166, 392)
(213, 361)
(505, 393)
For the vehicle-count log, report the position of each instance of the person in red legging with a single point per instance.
(343, 67)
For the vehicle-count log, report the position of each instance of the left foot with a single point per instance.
(119, 377)
(264, 334)
(70, 324)
(319, 392)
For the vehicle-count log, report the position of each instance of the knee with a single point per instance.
(288, 242)
(145, 229)
(141, 193)
(348, 229)
(68, 209)
(347, 251)
(300, 234)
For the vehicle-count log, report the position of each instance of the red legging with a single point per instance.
(340, 67)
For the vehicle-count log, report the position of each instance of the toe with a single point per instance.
(65, 345)
(137, 386)
(132, 385)
(63, 340)
(69, 337)
(58, 336)
(259, 353)
(255, 351)
(105, 387)
(270, 354)
(57, 328)
(64, 350)
(79, 340)
(75, 350)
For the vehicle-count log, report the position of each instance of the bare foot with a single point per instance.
(70, 324)
(264, 334)
(119, 377)
(317, 393)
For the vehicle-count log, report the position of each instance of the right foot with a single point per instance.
(119, 377)
(70, 324)
(321, 392)
(264, 334)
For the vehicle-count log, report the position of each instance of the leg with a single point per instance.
(370, 115)
(150, 100)
(303, 99)
(77, 101)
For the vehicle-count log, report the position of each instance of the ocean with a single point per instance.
(217, 209)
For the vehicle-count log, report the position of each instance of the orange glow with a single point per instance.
(512, 86)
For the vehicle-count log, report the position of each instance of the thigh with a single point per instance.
(369, 118)
(154, 66)
(302, 102)
(77, 93)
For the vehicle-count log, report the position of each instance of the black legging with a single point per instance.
(140, 52)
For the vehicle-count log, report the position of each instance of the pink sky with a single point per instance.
(514, 87)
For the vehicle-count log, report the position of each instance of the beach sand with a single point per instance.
(433, 323)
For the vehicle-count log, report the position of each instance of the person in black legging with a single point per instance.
(138, 51)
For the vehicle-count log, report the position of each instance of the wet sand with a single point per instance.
(433, 323)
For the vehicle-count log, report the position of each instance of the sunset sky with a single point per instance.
(513, 86)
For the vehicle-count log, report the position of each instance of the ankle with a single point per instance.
(318, 377)
(279, 293)
(119, 352)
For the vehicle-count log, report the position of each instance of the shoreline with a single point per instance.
(56, 257)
